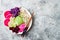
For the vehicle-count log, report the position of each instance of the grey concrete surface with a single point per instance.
(46, 24)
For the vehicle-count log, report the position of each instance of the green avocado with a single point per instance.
(18, 20)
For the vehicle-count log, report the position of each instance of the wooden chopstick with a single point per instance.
(29, 20)
(25, 30)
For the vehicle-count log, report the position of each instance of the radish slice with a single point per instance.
(6, 21)
(7, 14)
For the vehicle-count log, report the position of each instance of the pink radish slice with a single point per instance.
(6, 22)
(7, 14)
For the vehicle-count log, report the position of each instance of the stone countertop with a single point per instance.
(46, 24)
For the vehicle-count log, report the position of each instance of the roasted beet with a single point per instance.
(16, 29)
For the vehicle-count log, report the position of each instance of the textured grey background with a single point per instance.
(46, 25)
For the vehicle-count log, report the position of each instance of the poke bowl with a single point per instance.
(18, 19)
